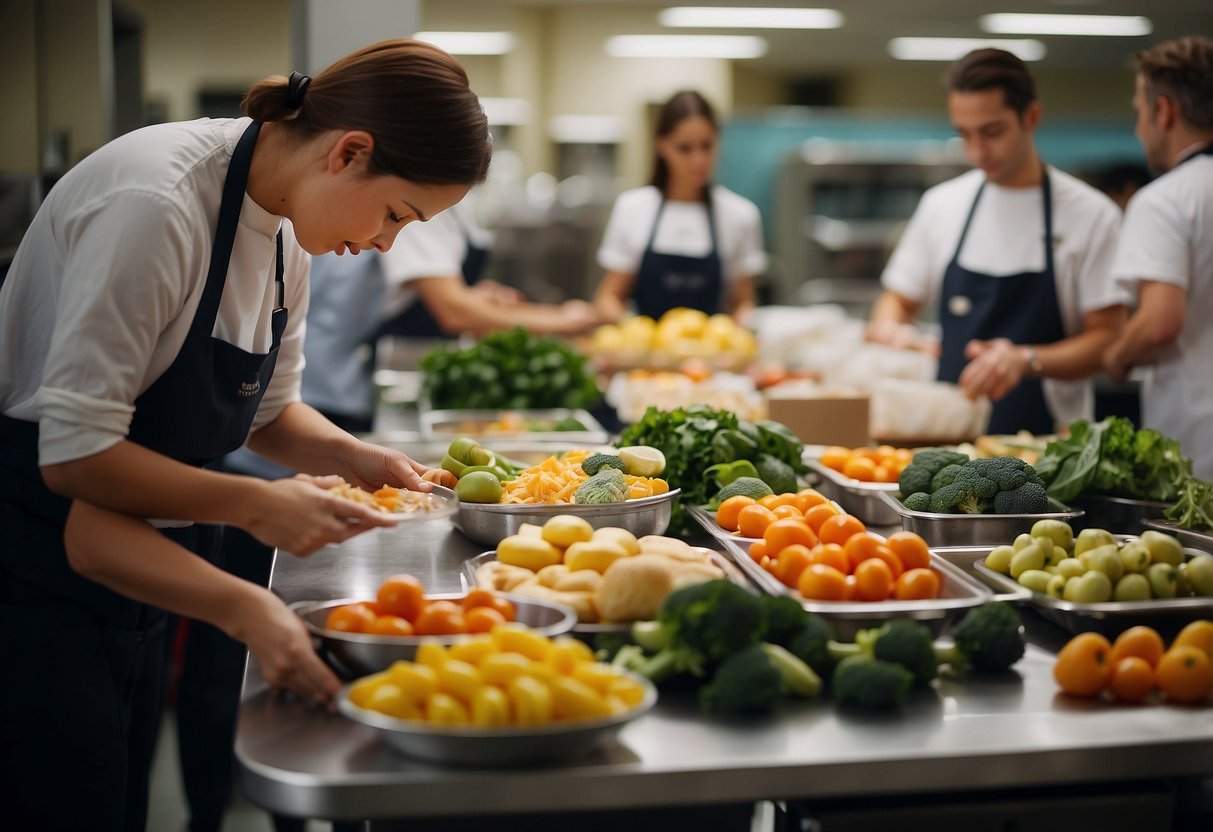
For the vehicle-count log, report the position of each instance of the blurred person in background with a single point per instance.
(1121, 181)
(1017, 254)
(1165, 255)
(680, 240)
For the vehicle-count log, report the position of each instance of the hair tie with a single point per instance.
(296, 88)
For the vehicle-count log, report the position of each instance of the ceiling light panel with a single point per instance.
(1097, 25)
(731, 17)
(686, 46)
(949, 49)
(470, 43)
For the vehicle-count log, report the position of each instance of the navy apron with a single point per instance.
(668, 281)
(80, 703)
(1020, 307)
(416, 321)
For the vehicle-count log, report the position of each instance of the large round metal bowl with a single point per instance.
(357, 654)
(490, 523)
(494, 746)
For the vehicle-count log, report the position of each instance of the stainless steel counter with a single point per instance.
(976, 733)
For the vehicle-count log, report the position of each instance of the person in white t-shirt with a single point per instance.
(681, 241)
(1165, 254)
(152, 321)
(1016, 255)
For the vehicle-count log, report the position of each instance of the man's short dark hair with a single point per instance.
(988, 69)
(1182, 70)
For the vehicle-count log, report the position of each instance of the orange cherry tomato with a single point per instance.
(1132, 679)
(860, 468)
(894, 563)
(1184, 674)
(916, 584)
(835, 457)
(726, 515)
(874, 580)
(839, 528)
(818, 514)
(1143, 642)
(910, 549)
(440, 618)
(390, 625)
(758, 550)
(785, 532)
(852, 589)
(752, 521)
(831, 554)
(402, 595)
(787, 511)
(819, 582)
(790, 562)
(859, 548)
(806, 498)
(478, 598)
(884, 473)
(774, 501)
(350, 618)
(1084, 665)
(482, 619)
(1198, 634)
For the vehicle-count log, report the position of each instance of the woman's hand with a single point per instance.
(300, 515)
(283, 648)
(372, 467)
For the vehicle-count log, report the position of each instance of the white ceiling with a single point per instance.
(870, 24)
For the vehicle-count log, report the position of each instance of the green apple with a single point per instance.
(1022, 540)
(1090, 538)
(1088, 556)
(1046, 546)
(1200, 574)
(1135, 556)
(1035, 579)
(1182, 588)
(1056, 530)
(1092, 588)
(1071, 567)
(1107, 560)
(1132, 587)
(1029, 557)
(1164, 580)
(1163, 548)
(1056, 587)
(999, 559)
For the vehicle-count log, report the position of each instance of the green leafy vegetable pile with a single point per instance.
(511, 369)
(1111, 457)
(698, 438)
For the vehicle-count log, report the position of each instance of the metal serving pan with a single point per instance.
(357, 654)
(966, 559)
(495, 746)
(970, 529)
(490, 523)
(718, 559)
(1120, 513)
(449, 424)
(856, 497)
(1111, 618)
(1196, 539)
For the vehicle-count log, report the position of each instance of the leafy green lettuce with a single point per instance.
(1111, 457)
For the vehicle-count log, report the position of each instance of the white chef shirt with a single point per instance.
(684, 230)
(106, 281)
(1004, 239)
(434, 248)
(1167, 237)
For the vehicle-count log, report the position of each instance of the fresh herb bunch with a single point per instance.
(510, 369)
(1111, 457)
(1194, 508)
(699, 437)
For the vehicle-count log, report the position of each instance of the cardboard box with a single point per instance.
(823, 420)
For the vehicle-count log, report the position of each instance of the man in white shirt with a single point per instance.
(1166, 248)
(1015, 253)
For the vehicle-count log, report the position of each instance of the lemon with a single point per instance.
(642, 461)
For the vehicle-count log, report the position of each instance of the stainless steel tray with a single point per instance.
(495, 746)
(1120, 513)
(720, 560)
(856, 497)
(449, 424)
(1197, 540)
(970, 529)
(1110, 617)
(490, 523)
(966, 558)
(357, 654)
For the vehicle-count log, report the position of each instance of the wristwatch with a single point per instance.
(1034, 365)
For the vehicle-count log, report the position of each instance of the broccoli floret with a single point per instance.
(671, 663)
(811, 645)
(1007, 472)
(1029, 498)
(871, 683)
(783, 618)
(945, 476)
(798, 678)
(926, 464)
(900, 641)
(918, 501)
(716, 618)
(596, 462)
(745, 486)
(776, 473)
(988, 638)
(607, 486)
(745, 683)
(969, 493)
(608, 645)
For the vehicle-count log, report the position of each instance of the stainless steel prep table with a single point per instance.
(976, 734)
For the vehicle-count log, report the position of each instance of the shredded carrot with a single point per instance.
(556, 480)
